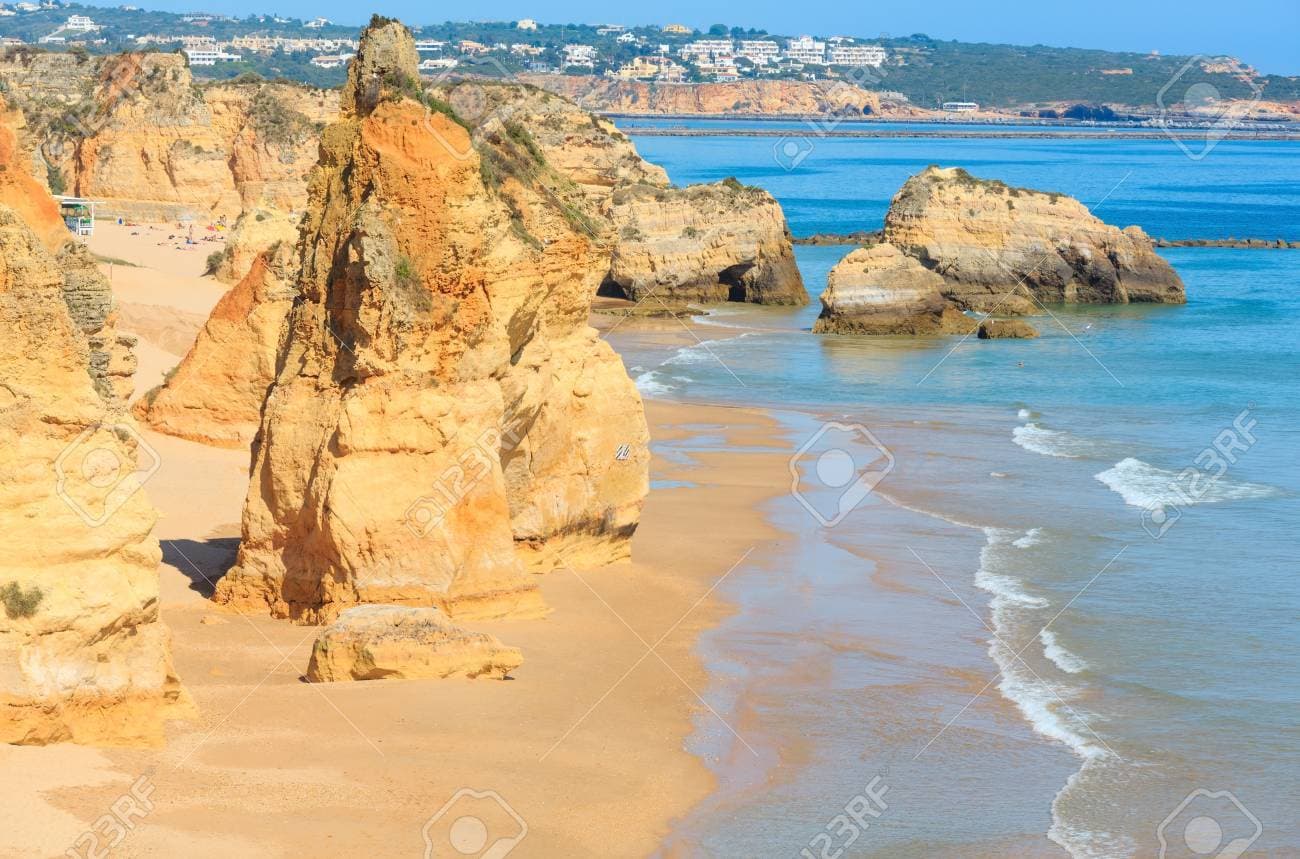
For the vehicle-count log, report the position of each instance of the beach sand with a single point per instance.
(584, 744)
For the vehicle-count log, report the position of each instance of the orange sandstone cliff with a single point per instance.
(83, 653)
(443, 416)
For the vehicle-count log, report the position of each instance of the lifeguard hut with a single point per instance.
(78, 214)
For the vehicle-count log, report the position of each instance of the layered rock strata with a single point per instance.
(996, 329)
(254, 232)
(703, 243)
(880, 290)
(386, 642)
(440, 400)
(1008, 250)
(752, 97)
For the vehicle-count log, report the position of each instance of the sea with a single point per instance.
(1039, 597)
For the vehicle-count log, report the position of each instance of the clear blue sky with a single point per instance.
(1264, 33)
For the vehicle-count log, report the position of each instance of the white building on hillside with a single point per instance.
(960, 106)
(702, 50)
(806, 50)
(331, 61)
(760, 53)
(857, 55)
(318, 23)
(209, 56)
(80, 24)
(580, 56)
(526, 24)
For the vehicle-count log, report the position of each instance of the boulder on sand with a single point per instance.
(879, 290)
(375, 642)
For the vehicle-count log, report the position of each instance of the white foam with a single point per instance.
(703, 351)
(1041, 705)
(1142, 484)
(1049, 442)
(1032, 537)
(1060, 657)
(1024, 414)
(653, 384)
(1079, 842)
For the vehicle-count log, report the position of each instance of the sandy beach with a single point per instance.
(584, 744)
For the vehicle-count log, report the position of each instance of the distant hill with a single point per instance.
(927, 71)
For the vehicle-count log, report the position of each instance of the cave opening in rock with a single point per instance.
(733, 277)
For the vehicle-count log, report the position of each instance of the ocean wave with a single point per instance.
(1142, 484)
(1049, 442)
(1024, 414)
(654, 384)
(1059, 656)
(1041, 703)
(1077, 840)
(1032, 537)
(702, 351)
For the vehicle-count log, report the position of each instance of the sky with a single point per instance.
(1264, 33)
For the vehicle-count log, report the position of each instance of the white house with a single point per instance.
(210, 56)
(806, 50)
(626, 38)
(760, 53)
(318, 23)
(526, 24)
(857, 55)
(580, 55)
(80, 24)
(960, 106)
(331, 61)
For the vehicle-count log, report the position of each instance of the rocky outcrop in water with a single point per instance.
(83, 653)
(880, 290)
(703, 243)
(443, 416)
(997, 329)
(388, 642)
(1006, 250)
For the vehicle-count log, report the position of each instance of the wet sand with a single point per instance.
(584, 744)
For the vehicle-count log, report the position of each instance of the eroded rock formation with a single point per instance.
(83, 653)
(997, 329)
(215, 394)
(880, 290)
(703, 243)
(255, 231)
(133, 132)
(441, 400)
(751, 97)
(1003, 249)
(388, 642)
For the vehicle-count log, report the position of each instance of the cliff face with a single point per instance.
(750, 97)
(704, 243)
(1005, 249)
(216, 393)
(20, 190)
(256, 231)
(131, 130)
(879, 290)
(441, 399)
(83, 654)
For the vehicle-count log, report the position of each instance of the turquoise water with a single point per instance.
(1239, 189)
(1135, 617)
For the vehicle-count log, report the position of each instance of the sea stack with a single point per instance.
(880, 290)
(1006, 250)
(703, 244)
(443, 417)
